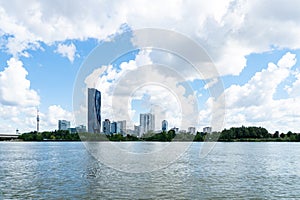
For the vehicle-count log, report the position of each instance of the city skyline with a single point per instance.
(40, 59)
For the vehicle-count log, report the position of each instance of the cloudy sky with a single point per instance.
(254, 46)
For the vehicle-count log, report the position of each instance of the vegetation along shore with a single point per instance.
(234, 134)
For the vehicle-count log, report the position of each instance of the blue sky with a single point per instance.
(47, 48)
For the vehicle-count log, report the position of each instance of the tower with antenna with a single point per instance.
(37, 121)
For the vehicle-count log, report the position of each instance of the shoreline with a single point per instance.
(236, 141)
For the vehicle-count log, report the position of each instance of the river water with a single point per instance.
(66, 170)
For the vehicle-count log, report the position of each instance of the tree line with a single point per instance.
(57, 135)
(227, 135)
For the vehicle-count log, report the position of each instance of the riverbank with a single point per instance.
(239, 134)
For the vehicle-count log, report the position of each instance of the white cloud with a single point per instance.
(55, 113)
(252, 104)
(19, 102)
(229, 30)
(24, 118)
(16, 117)
(210, 83)
(262, 86)
(294, 90)
(15, 87)
(287, 61)
(67, 51)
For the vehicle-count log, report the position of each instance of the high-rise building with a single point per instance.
(114, 128)
(94, 110)
(63, 125)
(137, 130)
(106, 126)
(192, 130)
(122, 126)
(164, 125)
(207, 129)
(147, 123)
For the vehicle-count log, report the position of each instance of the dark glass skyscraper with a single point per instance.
(94, 110)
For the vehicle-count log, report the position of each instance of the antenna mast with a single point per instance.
(37, 121)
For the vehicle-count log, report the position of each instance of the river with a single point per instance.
(66, 170)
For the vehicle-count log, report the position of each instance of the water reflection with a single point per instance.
(231, 170)
(137, 157)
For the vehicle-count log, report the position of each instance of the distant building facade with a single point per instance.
(121, 125)
(81, 129)
(114, 128)
(106, 126)
(192, 130)
(136, 130)
(72, 130)
(207, 130)
(63, 125)
(164, 125)
(147, 123)
(94, 110)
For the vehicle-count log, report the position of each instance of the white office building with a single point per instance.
(63, 125)
(192, 130)
(207, 129)
(121, 126)
(147, 123)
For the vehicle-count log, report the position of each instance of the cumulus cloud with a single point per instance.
(67, 51)
(294, 90)
(229, 30)
(24, 118)
(253, 103)
(262, 86)
(19, 102)
(55, 113)
(15, 87)
(13, 117)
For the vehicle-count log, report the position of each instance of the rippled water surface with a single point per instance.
(59, 170)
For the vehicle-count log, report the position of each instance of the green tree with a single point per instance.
(276, 134)
(289, 134)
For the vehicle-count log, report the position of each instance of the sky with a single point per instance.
(52, 51)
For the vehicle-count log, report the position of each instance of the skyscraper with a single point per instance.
(147, 123)
(94, 110)
(136, 130)
(164, 125)
(122, 126)
(106, 126)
